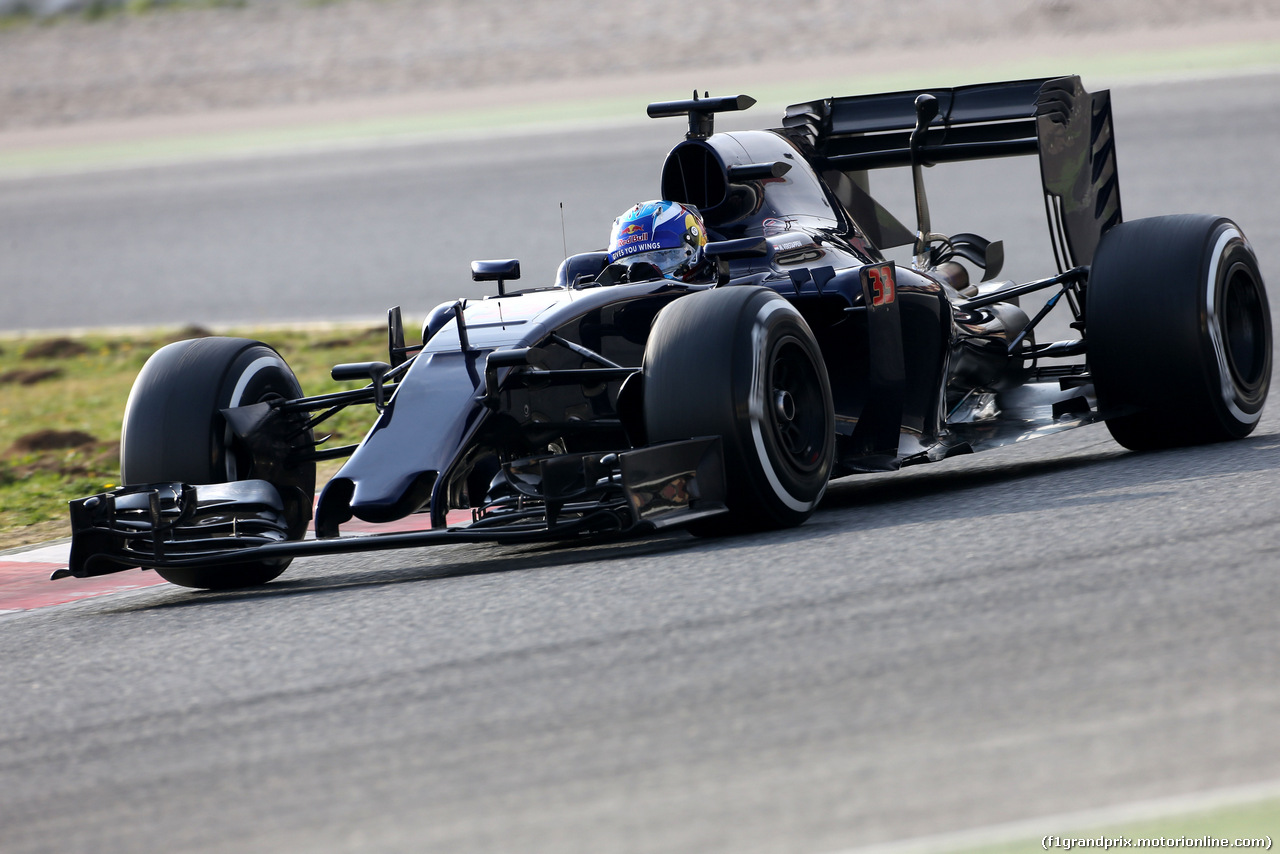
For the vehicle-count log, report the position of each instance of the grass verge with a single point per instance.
(62, 403)
(1245, 820)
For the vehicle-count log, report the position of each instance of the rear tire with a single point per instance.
(1179, 332)
(174, 431)
(742, 364)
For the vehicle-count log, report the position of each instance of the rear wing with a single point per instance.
(1054, 117)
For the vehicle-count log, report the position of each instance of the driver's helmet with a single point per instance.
(668, 235)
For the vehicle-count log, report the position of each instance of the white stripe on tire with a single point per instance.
(1226, 384)
(756, 405)
(255, 367)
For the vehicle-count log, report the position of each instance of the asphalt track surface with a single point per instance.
(1054, 627)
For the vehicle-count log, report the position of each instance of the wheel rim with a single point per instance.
(796, 416)
(1243, 328)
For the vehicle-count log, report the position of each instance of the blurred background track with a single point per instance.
(1056, 627)
(270, 54)
(343, 232)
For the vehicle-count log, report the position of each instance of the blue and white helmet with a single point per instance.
(668, 235)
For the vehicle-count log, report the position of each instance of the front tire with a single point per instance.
(742, 364)
(1179, 332)
(174, 431)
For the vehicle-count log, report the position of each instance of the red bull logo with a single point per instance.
(632, 229)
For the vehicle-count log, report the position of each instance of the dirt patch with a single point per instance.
(188, 332)
(334, 344)
(356, 339)
(62, 453)
(50, 440)
(29, 377)
(56, 348)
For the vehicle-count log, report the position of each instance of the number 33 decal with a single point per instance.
(879, 285)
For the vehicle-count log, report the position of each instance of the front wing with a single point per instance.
(556, 497)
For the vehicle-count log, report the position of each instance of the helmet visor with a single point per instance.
(666, 260)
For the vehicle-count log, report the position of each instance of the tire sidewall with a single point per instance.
(775, 324)
(258, 374)
(1238, 400)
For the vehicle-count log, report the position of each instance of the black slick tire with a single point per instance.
(174, 431)
(1179, 332)
(742, 364)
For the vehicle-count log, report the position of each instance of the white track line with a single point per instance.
(51, 553)
(1067, 824)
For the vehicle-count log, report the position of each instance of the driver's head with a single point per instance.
(668, 235)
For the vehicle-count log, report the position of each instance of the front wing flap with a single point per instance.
(182, 525)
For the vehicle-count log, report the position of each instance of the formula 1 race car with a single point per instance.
(619, 400)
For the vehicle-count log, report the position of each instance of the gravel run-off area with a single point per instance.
(267, 56)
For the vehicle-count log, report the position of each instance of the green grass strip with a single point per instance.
(1255, 820)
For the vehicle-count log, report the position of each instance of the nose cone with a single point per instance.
(424, 427)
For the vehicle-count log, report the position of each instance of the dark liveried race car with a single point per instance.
(622, 399)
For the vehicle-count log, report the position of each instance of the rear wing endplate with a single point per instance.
(1054, 117)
